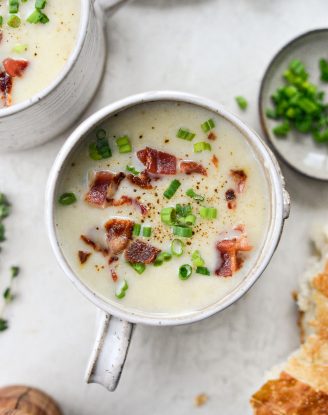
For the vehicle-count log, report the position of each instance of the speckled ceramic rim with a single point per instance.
(85, 10)
(279, 207)
(261, 108)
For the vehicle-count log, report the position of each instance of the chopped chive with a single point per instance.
(191, 193)
(197, 260)
(202, 146)
(146, 231)
(177, 247)
(183, 210)
(138, 267)
(121, 289)
(3, 324)
(185, 272)
(19, 48)
(1, 21)
(189, 220)
(13, 21)
(4, 211)
(14, 270)
(37, 17)
(7, 295)
(242, 102)
(182, 231)
(67, 199)
(282, 129)
(208, 125)
(40, 4)
(2, 232)
(162, 257)
(208, 212)
(168, 215)
(170, 191)
(101, 134)
(100, 149)
(323, 66)
(132, 170)
(203, 271)
(123, 144)
(13, 6)
(185, 134)
(136, 229)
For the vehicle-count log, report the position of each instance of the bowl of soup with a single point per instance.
(163, 209)
(46, 75)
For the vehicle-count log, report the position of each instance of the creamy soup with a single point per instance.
(32, 55)
(171, 221)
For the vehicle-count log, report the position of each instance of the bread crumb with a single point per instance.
(201, 399)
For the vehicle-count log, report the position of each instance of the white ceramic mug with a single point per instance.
(115, 328)
(54, 109)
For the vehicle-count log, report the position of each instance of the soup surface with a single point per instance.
(32, 55)
(211, 199)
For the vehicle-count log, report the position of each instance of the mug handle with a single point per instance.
(110, 6)
(109, 353)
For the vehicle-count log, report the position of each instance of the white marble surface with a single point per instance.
(215, 48)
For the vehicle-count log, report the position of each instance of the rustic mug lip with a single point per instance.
(274, 231)
(21, 106)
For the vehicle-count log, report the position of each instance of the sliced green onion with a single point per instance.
(2, 232)
(185, 134)
(185, 272)
(123, 144)
(170, 191)
(100, 149)
(182, 231)
(3, 324)
(202, 146)
(13, 6)
(136, 229)
(242, 102)
(40, 4)
(197, 259)
(121, 289)
(177, 247)
(37, 17)
(203, 271)
(7, 295)
(19, 48)
(194, 195)
(183, 210)
(14, 271)
(67, 199)
(138, 267)
(132, 170)
(208, 125)
(168, 215)
(13, 21)
(161, 257)
(189, 220)
(146, 231)
(323, 65)
(1, 21)
(208, 212)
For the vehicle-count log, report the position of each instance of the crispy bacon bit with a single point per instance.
(141, 252)
(94, 245)
(229, 250)
(143, 208)
(157, 162)
(142, 180)
(215, 161)
(6, 84)
(189, 167)
(123, 200)
(103, 188)
(231, 197)
(119, 233)
(112, 259)
(211, 136)
(83, 256)
(114, 275)
(239, 177)
(15, 67)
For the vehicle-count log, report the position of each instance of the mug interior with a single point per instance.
(274, 228)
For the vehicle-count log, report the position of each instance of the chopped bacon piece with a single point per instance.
(119, 233)
(15, 67)
(103, 188)
(123, 200)
(239, 177)
(231, 197)
(229, 250)
(141, 252)
(142, 180)
(83, 256)
(157, 162)
(6, 84)
(189, 167)
(143, 208)
(211, 136)
(215, 161)
(97, 247)
(114, 275)
(112, 259)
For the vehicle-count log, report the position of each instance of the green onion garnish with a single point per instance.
(146, 231)
(14, 271)
(4, 206)
(323, 66)
(202, 146)
(100, 149)
(161, 257)
(40, 4)
(182, 231)
(1, 21)
(281, 130)
(121, 289)
(194, 195)
(13, 6)
(13, 21)
(208, 212)
(242, 102)
(189, 220)
(185, 134)
(132, 170)
(7, 295)
(67, 199)
(185, 272)
(208, 125)
(183, 210)
(19, 48)
(203, 271)
(136, 229)
(2, 232)
(177, 247)
(138, 267)
(123, 144)
(3, 324)
(170, 191)
(37, 17)
(168, 215)
(197, 260)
